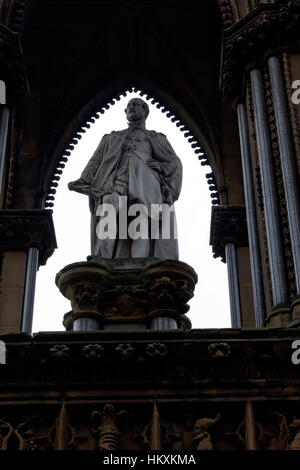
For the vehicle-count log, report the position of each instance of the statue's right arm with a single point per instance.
(82, 185)
(94, 163)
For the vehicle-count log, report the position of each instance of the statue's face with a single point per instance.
(135, 110)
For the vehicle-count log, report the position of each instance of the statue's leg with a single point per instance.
(166, 246)
(94, 238)
(108, 245)
(140, 248)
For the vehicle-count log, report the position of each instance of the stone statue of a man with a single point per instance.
(137, 168)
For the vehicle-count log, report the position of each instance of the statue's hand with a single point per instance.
(154, 165)
(80, 185)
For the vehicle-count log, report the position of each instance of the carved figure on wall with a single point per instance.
(106, 424)
(133, 166)
(201, 436)
(295, 429)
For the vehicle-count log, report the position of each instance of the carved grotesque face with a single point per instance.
(136, 110)
(198, 428)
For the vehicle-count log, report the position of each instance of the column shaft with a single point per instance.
(86, 324)
(252, 226)
(287, 157)
(31, 269)
(233, 281)
(4, 119)
(276, 257)
(163, 323)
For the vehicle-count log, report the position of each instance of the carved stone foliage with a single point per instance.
(291, 74)
(23, 229)
(228, 225)
(165, 424)
(272, 25)
(96, 289)
(22, 434)
(273, 428)
(276, 429)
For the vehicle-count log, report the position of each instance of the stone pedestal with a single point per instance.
(127, 294)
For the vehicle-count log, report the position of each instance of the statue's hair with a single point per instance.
(144, 104)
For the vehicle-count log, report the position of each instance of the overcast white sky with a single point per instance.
(210, 305)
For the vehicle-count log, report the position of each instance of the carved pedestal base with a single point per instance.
(127, 293)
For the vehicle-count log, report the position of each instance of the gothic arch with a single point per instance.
(99, 104)
(154, 59)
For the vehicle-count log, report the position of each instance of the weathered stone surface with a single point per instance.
(20, 230)
(228, 225)
(102, 289)
(175, 390)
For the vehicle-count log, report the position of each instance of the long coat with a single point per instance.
(99, 177)
(106, 157)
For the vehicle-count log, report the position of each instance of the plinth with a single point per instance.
(127, 293)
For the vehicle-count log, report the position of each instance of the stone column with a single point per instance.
(27, 239)
(4, 119)
(233, 282)
(288, 165)
(29, 292)
(229, 234)
(255, 255)
(163, 323)
(272, 217)
(86, 324)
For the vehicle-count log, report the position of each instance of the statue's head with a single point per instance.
(136, 110)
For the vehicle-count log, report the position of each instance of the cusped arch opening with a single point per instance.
(194, 123)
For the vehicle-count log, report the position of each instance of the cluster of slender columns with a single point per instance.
(253, 236)
(280, 293)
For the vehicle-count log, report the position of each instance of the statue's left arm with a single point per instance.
(170, 168)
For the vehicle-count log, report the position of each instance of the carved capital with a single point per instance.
(20, 230)
(267, 27)
(228, 225)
